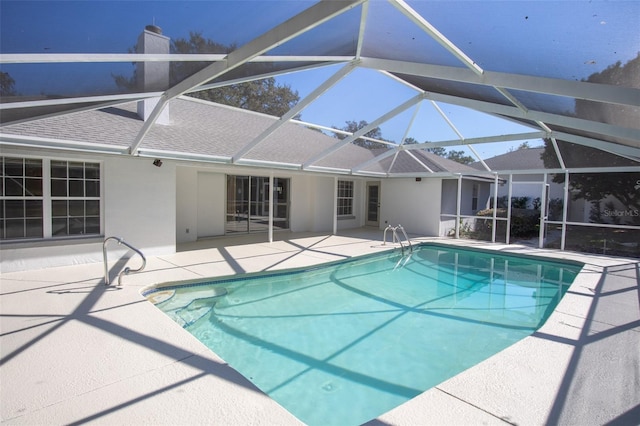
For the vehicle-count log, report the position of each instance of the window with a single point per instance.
(42, 198)
(474, 197)
(345, 198)
(75, 198)
(21, 204)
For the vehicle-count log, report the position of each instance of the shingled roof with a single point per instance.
(520, 159)
(436, 55)
(199, 129)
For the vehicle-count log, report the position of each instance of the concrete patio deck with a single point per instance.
(76, 352)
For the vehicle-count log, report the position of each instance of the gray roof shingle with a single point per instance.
(203, 128)
(520, 159)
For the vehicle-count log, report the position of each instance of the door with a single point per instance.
(248, 204)
(373, 204)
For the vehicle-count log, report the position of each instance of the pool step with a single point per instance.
(198, 308)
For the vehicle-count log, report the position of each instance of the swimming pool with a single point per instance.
(345, 342)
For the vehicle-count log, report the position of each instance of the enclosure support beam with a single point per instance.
(565, 209)
(458, 200)
(308, 19)
(549, 86)
(271, 206)
(510, 194)
(549, 118)
(436, 35)
(543, 211)
(495, 208)
(375, 123)
(335, 205)
(319, 91)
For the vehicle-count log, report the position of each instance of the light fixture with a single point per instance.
(157, 162)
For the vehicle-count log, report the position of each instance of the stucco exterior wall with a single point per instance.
(138, 205)
(155, 208)
(414, 205)
(186, 197)
(201, 198)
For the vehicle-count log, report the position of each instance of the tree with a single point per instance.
(261, 96)
(523, 145)
(354, 126)
(453, 155)
(627, 75)
(438, 150)
(410, 141)
(7, 85)
(460, 157)
(596, 187)
(265, 96)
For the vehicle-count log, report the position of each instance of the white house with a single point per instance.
(60, 203)
(159, 169)
(69, 181)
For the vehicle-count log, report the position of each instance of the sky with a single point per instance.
(600, 34)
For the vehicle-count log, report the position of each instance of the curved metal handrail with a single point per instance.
(384, 235)
(126, 270)
(406, 237)
(395, 237)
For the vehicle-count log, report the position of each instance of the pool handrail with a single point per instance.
(395, 237)
(405, 237)
(126, 270)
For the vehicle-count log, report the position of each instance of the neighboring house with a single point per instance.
(523, 184)
(532, 185)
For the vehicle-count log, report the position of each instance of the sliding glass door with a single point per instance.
(248, 204)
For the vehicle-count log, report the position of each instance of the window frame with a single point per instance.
(21, 205)
(95, 202)
(475, 191)
(345, 197)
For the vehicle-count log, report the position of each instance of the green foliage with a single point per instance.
(523, 145)
(460, 157)
(438, 150)
(596, 187)
(7, 85)
(519, 202)
(537, 203)
(410, 141)
(555, 209)
(464, 230)
(354, 126)
(265, 95)
(525, 223)
(627, 75)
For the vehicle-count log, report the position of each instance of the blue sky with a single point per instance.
(593, 41)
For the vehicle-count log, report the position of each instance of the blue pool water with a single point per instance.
(344, 343)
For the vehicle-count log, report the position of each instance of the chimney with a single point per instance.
(152, 76)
